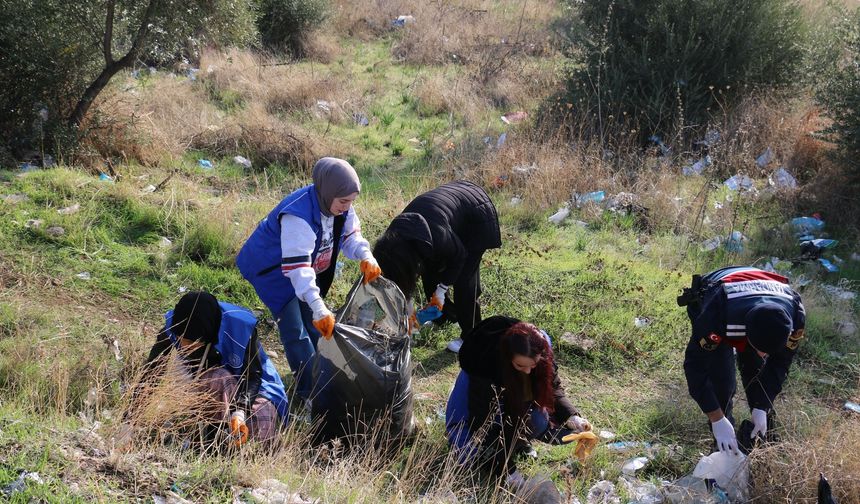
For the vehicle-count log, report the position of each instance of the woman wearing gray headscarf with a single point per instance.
(290, 259)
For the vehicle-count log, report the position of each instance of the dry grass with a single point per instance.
(788, 471)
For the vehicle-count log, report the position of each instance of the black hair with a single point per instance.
(399, 260)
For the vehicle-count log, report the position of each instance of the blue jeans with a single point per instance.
(299, 337)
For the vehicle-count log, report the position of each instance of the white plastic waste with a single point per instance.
(631, 466)
(731, 473)
(559, 216)
(782, 179)
(764, 158)
(242, 161)
(737, 182)
(603, 492)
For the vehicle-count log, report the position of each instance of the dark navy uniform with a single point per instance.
(721, 330)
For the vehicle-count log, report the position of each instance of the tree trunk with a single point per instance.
(112, 67)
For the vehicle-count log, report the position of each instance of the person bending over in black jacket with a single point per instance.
(441, 236)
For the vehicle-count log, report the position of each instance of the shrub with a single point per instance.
(839, 96)
(655, 65)
(286, 24)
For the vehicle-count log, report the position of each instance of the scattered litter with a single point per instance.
(516, 201)
(735, 242)
(148, 189)
(338, 269)
(191, 73)
(324, 105)
(48, 161)
(782, 179)
(21, 483)
(737, 182)
(205, 163)
(623, 202)
(632, 465)
(116, 351)
(692, 490)
(641, 492)
(578, 341)
(559, 216)
(164, 242)
(827, 265)
(827, 381)
(104, 177)
(641, 322)
(360, 119)
(712, 244)
(605, 434)
(524, 170)
(581, 224)
(802, 281)
(501, 141)
(170, 498)
(810, 250)
(847, 328)
(712, 137)
(838, 292)
(852, 406)
(664, 149)
(242, 161)
(83, 275)
(764, 158)
(807, 225)
(182, 289)
(593, 197)
(731, 473)
(855, 256)
(718, 205)
(836, 355)
(28, 167)
(623, 446)
(402, 21)
(55, 231)
(69, 210)
(515, 117)
(698, 167)
(603, 492)
(34, 223)
(15, 198)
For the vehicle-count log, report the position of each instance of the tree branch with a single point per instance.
(107, 42)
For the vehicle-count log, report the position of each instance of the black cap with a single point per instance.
(768, 327)
(197, 316)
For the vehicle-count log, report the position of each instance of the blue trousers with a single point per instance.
(299, 337)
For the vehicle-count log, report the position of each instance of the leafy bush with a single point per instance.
(285, 24)
(839, 95)
(655, 65)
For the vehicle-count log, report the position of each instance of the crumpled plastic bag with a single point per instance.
(731, 472)
(585, 443)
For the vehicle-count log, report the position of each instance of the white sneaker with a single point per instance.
(454, 346)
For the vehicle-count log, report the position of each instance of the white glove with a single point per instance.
(759, 418)
(724, 433)
(319, 308)
(577, 424)
(438, 298)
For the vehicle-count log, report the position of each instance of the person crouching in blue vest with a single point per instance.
(219, 345)
(508, 393)
(291, 258)
(749, 315)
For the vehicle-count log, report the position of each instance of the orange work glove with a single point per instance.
(438, 297)
(325, 325)
(585, 443)
(370, 269)
(238, 428)
(414, 326)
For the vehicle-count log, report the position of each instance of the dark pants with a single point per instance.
(467, 289)
(723, 374)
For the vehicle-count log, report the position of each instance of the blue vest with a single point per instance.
(259, 261)
(237, 326)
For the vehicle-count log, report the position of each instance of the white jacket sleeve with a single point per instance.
(354, 245)
(297, 244)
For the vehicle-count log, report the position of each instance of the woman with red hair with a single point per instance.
(507, 394)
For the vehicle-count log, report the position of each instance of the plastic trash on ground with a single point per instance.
(730, 472)
(501, 141)
(592, 197)
(782, 179)
(711, 244)
(242, 161)
(735, 242)
(641, 322)
(632, 465)
(363, 375)
(104, 177)
(852, 406)
(402, 21)
(764, 158)
(515, 117)
(827, 265)
(806, 225)
(205, 163)
(605, 434)
(603, 492)
(738, 182)
(663, 149)
(360, 119)
(623, 446)
(692, 490)
(524, 170)
(69, 210)
(698, 167)
(516, 201)
(559, 216)
(20, 484)
(641, 492)
(839, 292)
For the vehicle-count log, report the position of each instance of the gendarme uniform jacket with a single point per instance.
(720, 319)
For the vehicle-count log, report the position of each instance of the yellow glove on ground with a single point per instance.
(585, 443)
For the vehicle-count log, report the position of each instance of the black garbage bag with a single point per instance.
(363, 374)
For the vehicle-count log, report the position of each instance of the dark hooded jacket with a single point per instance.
(449, 224)
(479, 358)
